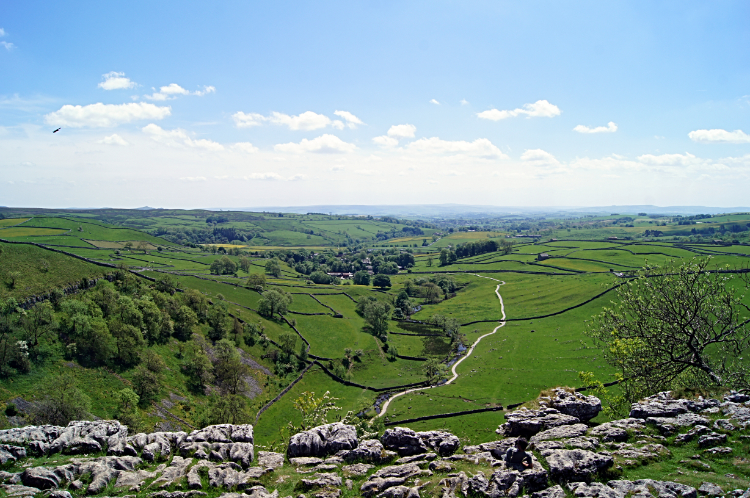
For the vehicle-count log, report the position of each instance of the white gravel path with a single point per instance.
(384, 408)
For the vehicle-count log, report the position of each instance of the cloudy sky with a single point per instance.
(240, 104)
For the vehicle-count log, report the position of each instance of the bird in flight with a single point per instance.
(57, 130)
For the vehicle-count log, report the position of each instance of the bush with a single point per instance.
(60, 402)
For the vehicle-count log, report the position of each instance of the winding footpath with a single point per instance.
(384, 408)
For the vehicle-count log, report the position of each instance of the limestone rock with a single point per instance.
(11, 454)
(577, 405)
(659, 405)
(562, 432)
(403, 441)
(609, 432)
(526, 423)
(644, 488)
(710, 489)
(323, 441)
(19, 491)
(576, 465)
(135, 479)
(723, 424)
(371, 451)
(554, 492)
(41, 478)
(325, 480)
(711, 439)
(593, 490)
(270, 459)
(459, 483)
(735, 397)
(357, 469)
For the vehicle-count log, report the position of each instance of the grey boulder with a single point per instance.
(576, 404)
(323, 441)
(576, 465)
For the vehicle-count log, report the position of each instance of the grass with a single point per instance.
(36, 277)
(9, 233)
(9, 222)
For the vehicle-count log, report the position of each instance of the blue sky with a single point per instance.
(238, 104)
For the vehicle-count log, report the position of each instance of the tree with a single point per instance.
(166, 283)
(224, 409)
(389, 268)
(319, 277)
(146, 384)
(37, 322)
(677, 325)
(256, 281)
(376, 314)
(431, 292)
(184, 322)
(129, 340)
(382, 281)
(197, 368)
(14, 277)
(434, 371)
(361, 278)
(142, 245)
(217, 319)
(429, 260)
(152, 318)
(252, 331)
(314, 410)
(245, 264)
(287, 341)
(60, 401)
(443, 257)
(274, 302)
(127, 409)
(404, 304)
(273, 267)
(229, 370)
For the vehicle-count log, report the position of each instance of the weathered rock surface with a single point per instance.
(323, 441)
(659, 405)
(575, 404)
(576, 465)
(407, 442)
(325, 480)
(387, 477)
(357, 469)
(371, 451)
(562, 432)
(649, 487)
(526, 423)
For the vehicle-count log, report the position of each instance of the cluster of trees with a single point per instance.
(483, 246)
(376, 313)
(433, 289)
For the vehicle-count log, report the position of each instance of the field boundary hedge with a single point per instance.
(444, 415)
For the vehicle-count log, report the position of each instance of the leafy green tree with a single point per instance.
(196, 302)
(229, 369)
(287, 341)
(382, 281)
(197, 367)
(37, 322)
(404, 303)
(319, 277)
(274, 302)
(146, 384)
(14, 277)
(677, 325)
(218, 321)
(443, 257)
(273, 267)
(389, 268)
(245, 264)
(434, 371)
(130, 343)
(256, 281)
(431, 292)
(152, 318)
(60, 401)
(252, 332)
(166, 283)
(128, 312)
(376, 314)
(224, 409)
(361, 278)
(314, 411)
(127, 409)
(92, 344)
(184, 322)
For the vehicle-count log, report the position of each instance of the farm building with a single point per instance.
(542, 256)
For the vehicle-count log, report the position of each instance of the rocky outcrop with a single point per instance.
(576, 465)
(526, 423)
(406, 442)
(323, 441)
(575, 404)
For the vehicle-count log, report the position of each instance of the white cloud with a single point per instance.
(245, 147)
(105, 115)
(480, 147)
(2, 32)
(464, 102)
(173, 90)
(306, 121)
(686, 159)
(193, 178)
(539, 157)
(351, 120)
(433, 101)
(179, 137)
(338, 124)
(610, 128)
(324, 144)
(113, 139)
(386, 141)
(8, 45)
(115, 81)
(242, 120)
(402, 131)
(368, 172)
(540, 108)
(263, 176)
(719, 136)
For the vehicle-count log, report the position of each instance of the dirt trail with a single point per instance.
(384, 408)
